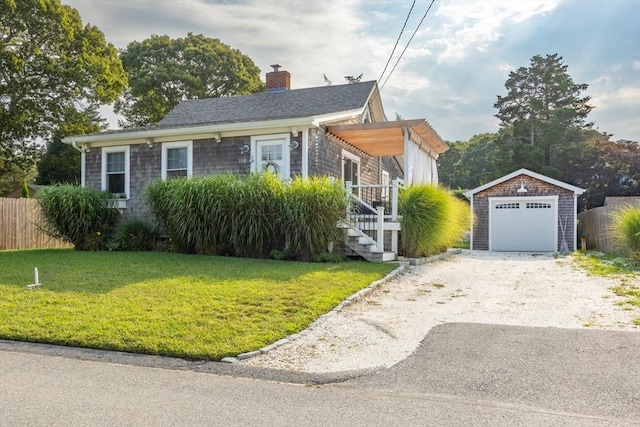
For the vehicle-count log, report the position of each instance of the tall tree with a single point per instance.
(61, 162)
(164, 71)
(469, 164)
(604, 168)
(542, 114)
(49, 64)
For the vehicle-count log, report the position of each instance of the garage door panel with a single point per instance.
(521, 225)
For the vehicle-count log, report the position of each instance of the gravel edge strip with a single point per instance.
(362, 293)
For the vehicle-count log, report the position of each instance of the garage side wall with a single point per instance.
(535, 187)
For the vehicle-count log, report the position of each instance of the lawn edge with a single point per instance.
(359, 295)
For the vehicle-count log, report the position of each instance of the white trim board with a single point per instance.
(529, 173)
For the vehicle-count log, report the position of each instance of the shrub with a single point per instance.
(432, 219)
(312, 209)
(134, 234)
(626, 229)
(25, 190)
(258, 216)
(79, 215)
(330, 257)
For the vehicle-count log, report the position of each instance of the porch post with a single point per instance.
(347, 185)
(394, 200)
(305, 153)
(407, 142)
(380, 230)
(394, 215)
(83, 168)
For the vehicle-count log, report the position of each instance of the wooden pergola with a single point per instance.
(390, 138)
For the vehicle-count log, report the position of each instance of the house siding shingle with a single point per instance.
(535, 187)
(212, 157)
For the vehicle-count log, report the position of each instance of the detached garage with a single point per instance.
(524, 212)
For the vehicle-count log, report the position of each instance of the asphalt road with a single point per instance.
(462, 374)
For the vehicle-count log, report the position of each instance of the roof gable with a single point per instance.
(576, 190)
(265, 106)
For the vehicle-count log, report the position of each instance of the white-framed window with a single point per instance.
(115, 171)
(177, 159)
(270, 153)
(351, 170)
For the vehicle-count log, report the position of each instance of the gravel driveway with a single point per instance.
(520, 289)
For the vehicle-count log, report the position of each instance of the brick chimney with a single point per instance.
(278, 81)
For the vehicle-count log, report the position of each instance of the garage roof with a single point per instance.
(576, 190)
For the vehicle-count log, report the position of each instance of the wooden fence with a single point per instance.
(595, 227)
(19, 226)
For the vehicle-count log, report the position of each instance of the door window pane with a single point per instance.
(271, 152)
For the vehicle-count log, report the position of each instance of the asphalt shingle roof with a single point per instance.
(270, 105)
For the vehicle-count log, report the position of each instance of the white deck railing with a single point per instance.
(367, 207)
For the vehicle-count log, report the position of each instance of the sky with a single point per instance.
(452, 70)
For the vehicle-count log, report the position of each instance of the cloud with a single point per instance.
(474, 26)
(450, 74)
(617, 104)
(301, 35)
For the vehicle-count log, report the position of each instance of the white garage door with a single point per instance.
(523, 224)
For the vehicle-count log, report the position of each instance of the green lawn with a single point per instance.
(194, 307)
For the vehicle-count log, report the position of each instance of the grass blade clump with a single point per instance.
(626, 229)
(79, 215)
(256, 215)
(432, 219)
(249, 217)
(312, 209)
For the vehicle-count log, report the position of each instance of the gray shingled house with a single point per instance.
(339, 131)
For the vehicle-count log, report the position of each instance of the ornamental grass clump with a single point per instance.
(196, 212)
(626, 229)
(313, 207)
(79, 215)
(253, 216)
(256, 213)
(432, 219)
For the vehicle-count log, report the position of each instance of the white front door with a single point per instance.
(271, 154)
(523, 224)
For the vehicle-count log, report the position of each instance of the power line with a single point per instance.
(398, 40)
(409, 42)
